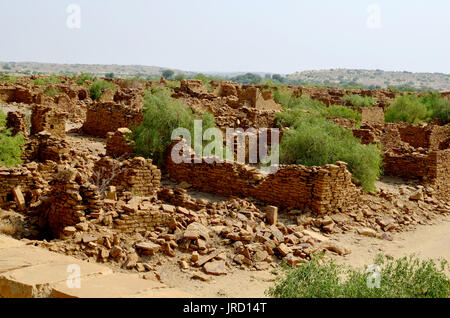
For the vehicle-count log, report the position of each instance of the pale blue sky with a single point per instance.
(281, 36)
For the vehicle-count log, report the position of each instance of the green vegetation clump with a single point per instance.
(413, 109)
(248, 78)
(173, 84)
(9, 79)
(52, 91)
(83, 77)
(163, 114)
(168, 74)
(360, 101)
(46, 80)
(312, 140)
(98, 87)
(10, 146)
(407, 277)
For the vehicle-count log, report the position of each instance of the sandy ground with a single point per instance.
(427, 241)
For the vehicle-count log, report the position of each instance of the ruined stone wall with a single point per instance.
(442, 181)
(10, 178)
(432, 168)
(427, 137)
(12, 94)
(136, 175)
(325, 189)
(17, 121)
(143, 220)
(104, 117)
(43, 146)
(44, 118)
(117, 144)
(372, 115)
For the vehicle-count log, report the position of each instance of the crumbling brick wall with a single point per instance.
(372, 115)
(17, 121)
(69, 200)
(136, 175)
(428, 136)
(43, 146)
(104, 117)
(11, 178)
(325, 189)
(143, 220)
(117, 144)
(45, 118)
(431, 167)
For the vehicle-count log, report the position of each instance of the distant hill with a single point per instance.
(28, 68)
(332, 77)
(374, 78)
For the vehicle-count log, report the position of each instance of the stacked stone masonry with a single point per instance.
(326, 189)
(137, 175)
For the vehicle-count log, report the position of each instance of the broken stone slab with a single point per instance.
(36, 281)
(215, 268)
(331, 246)
(196, 230)
(19, 198)
(272, 214)
(201, 276)
(148, 248)
(206, 258)
(317, 236)
(367, 232)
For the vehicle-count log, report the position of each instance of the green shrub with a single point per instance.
(173, 84)
(360, 101)
(46, 80)
(98, 87)
(163, 114)
(407, 108)
(438, 107)
(52, 91)
(342, 112)
(407, 277)
(10, 146)
(83, 77)
(9, 79)
(315, 141)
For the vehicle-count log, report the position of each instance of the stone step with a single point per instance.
(37, 281)
(30, 271)
(117, 285)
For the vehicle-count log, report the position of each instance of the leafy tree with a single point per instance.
(167, 74)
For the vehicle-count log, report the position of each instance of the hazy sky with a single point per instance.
(281, 36)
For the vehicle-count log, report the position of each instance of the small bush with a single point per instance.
(46, 80)
(83, 78)
(52, 91)
(98, 87)
(10, 146)
(360, 101)
(438, 107)
(342, 112)
(9, 79)
(163, 114)
(407, 277)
